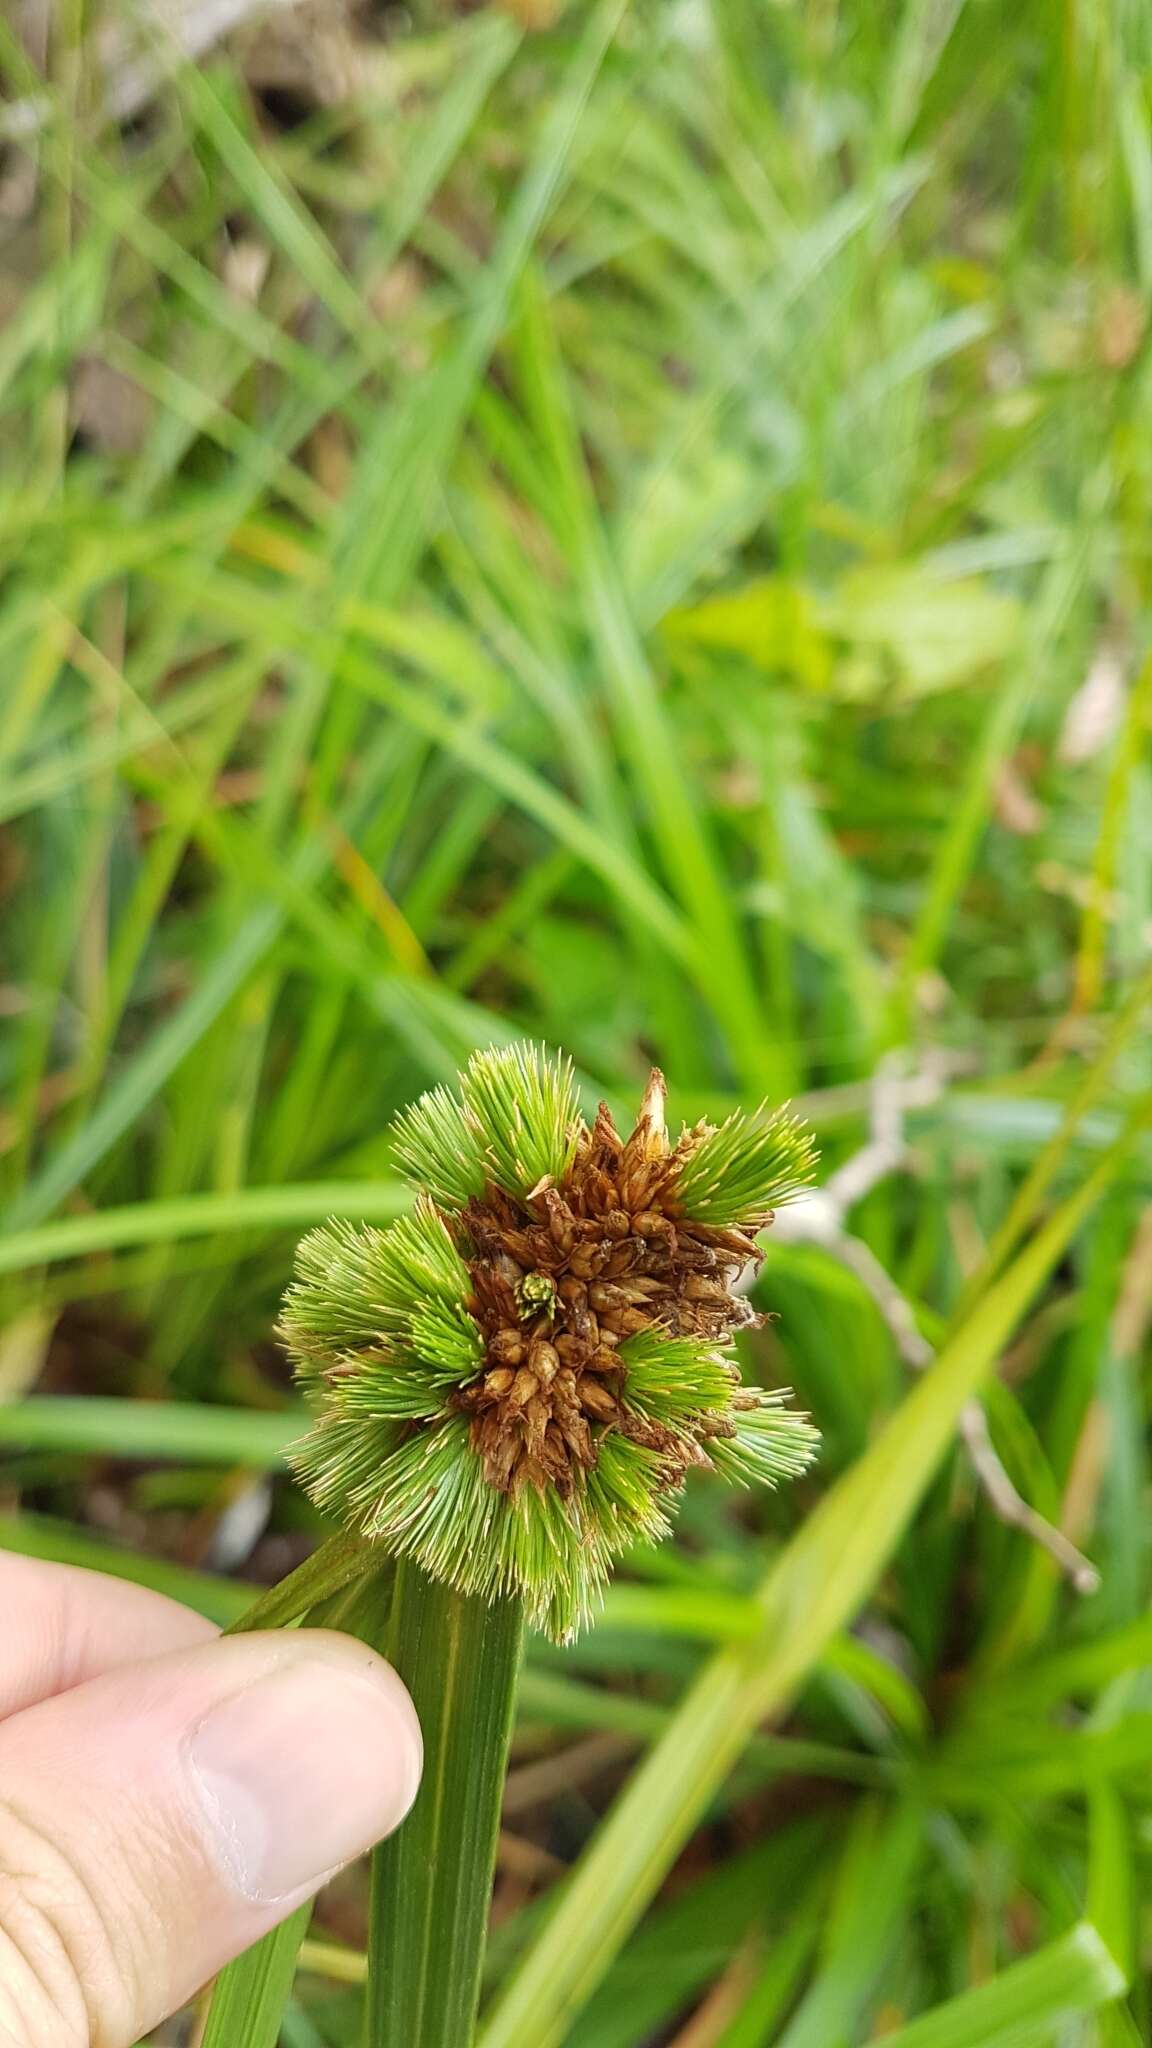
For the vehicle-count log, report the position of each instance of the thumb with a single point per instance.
(156, 1821)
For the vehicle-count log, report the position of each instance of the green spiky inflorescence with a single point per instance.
(513, 1381)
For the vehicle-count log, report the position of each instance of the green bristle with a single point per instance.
(438, 1149)
(524, 1106)
(394, 1384)
(433, 1503)
(669, 1378)
(340, 1457)
(356, 1283)
(444, 1335)
(772, 1442)
(751, 1165)
(334, 1303)
(623, 1493)
(419, 1259)
(553, 1552)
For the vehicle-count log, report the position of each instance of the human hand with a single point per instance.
(167, 1795)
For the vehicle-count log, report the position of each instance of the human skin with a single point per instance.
(167, 1795)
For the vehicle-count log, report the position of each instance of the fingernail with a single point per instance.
(304, 1769)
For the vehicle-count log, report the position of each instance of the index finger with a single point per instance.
(61, 1624)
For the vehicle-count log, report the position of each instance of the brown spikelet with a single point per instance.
(563, 1276)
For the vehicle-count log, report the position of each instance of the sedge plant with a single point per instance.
(511, 1385)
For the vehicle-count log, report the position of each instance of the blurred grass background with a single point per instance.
(628, 526)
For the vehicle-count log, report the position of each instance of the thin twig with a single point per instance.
(725, 1999)
(818, 1219)
(528, 1861)
(533, 1784)
(1013, 1509)
(895, 1308)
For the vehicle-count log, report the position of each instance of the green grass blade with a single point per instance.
(1090, 1090)
(185, 1430)
(1111, 1879)
(338, 1565)
(871, 1900)
(271, 201)
(259, 1208)
(541, 801)
(685, 1941)
(385, 515)
(1070, 1978)
(953, 860)
(432, 1880)
(250, 1995)
(144, 1075)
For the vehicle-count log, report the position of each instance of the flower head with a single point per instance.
(513, 1382)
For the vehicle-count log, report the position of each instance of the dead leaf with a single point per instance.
(109, 408)
(1016, 805)
(1093, 717)
(1120, 323)
(245, 268)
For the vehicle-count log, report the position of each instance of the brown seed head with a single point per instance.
(561, 1277)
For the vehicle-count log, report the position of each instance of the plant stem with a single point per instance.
(432, 1881)
(249, 1997)
(341, 1561)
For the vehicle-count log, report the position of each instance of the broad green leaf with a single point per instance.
(906, 631)
(775, 625)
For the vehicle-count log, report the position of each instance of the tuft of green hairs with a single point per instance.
(514, 1123)
(747, 1167)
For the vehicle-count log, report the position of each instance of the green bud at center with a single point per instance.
(534, 1292)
